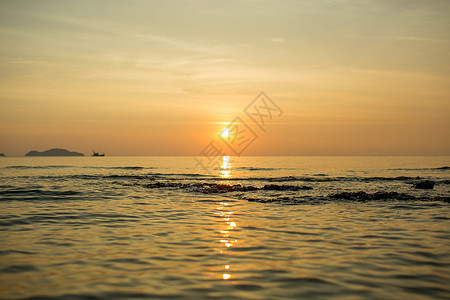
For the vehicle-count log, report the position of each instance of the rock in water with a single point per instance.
(425, 184)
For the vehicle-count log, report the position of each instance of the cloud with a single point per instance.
(277, 40)
(181, 44)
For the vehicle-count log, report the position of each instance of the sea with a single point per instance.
(249, 227)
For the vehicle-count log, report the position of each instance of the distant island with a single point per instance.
(54, 152)
(2, 154)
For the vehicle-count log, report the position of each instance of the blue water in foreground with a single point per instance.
(248, 227)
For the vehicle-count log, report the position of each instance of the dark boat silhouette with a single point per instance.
(97, 154)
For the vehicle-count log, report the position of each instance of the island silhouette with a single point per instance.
(54, 152)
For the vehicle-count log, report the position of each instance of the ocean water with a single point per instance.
(246, 228)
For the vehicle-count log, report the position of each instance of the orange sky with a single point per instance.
(165, 77)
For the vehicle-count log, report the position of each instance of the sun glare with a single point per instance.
(225, 168)
(225, 133)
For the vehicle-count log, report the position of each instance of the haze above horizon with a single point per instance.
(165, 77)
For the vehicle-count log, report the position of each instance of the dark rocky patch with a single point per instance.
(275, 187)
(215, 188)
(363, 196)
(424, 184)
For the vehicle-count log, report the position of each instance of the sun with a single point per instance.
(225, 133)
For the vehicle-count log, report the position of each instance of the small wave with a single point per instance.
(129, 176)
(294, 178)
(214, 188)
(324, 178)
(37, 194)
(12, 251)
(443, 168)
(111, 295)
(206, 188)
(257, 169)
(275, 187)
(122, 168)
(207, 177)
(421, 169)
(80, 167)
(68, 218)
(193, 175)
(168, 176)
(19, 191)
(19, 268)
(359, 196)
(36, 167)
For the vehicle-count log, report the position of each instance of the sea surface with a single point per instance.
(241, 228)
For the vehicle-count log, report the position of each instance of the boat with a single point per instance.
(97, 154)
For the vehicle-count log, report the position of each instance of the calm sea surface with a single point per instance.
(250, 228)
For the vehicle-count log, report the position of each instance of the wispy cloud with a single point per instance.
(180, 43)
(400, 38)
(277, 40)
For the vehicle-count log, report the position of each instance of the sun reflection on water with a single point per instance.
(226, 230)
(225, 168)
(224, 211)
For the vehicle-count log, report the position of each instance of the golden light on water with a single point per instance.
(226, 162)
(224, 211)
(225, 168)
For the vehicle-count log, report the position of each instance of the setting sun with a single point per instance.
(225, 133)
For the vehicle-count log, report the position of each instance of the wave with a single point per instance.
(443, 168)
(259, 193)
(189, 175)
(358, 196)
(122, 168)
(78, 167)
(363, 196)
(36, 167)
(325, 178)
(66, 217)
(258, 169)
(214, 188)
(39, 194)
(264, 193)
(315, 178)
(123, 176)
(19, 191)
(205, 177)
(421, 169)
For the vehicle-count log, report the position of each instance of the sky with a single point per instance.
(165, 77)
